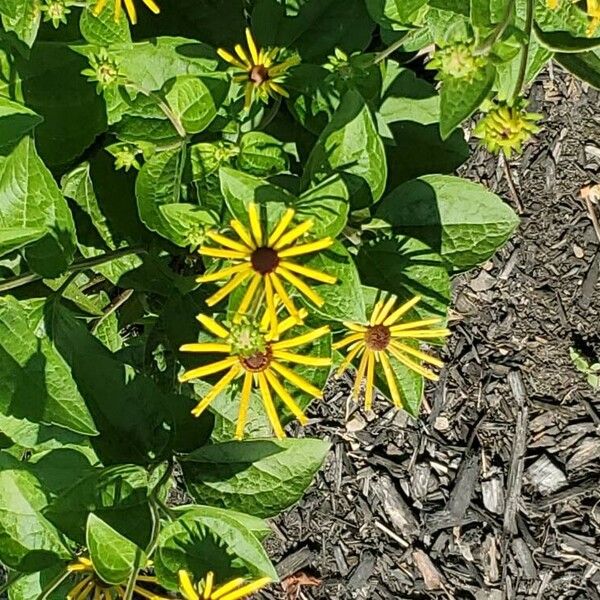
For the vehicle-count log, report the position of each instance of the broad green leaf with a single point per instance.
(114, 556)
(394, 13)
(350, 145)
(258, 477)
(192, 102)
(29, 197)
(15, 121)
(204, 539)
(406, 267)
(584, 65)
(312, 27)
(36, 383)
(51, 84)
(261, 154)
(461, 220)
(564, 42)
(28, 541)
(104, 29)
(565, 28)
(32, 585)
(13, 238)
(36, 436)
(460, 98)
(117, 495)
(343, 299)
(23, 18)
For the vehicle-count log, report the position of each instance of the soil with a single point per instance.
(495, 492)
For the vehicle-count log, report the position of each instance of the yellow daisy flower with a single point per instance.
(383, 339)
(129, 6)
(91, 587)
(265, 261)
(233, 590)
(253, 356)
(259, 70)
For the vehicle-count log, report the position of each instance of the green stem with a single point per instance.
(175, 121)
(87, 263)
(524, 52)
(389, 50)
(499, 30)
(54, 585)
(270, 115)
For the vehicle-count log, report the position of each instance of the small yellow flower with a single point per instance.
(129, 6)
(593, 12)
(262, 74)
(506, 128)
(552, 4)
(265, 261)
(252, 354)
(233, 590)
(381, 340)
(91, 587)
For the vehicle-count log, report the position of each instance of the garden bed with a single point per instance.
(448, 507)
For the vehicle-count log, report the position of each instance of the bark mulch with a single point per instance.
(495, 492)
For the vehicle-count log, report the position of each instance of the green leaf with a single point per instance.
(392, 14)
(29, 197)
(104, 29)
(461, 220)
(24, 20)
(261, 154)
(51, 84)
(28, 541)
(32, 585)
(460, 99)
(312, 27)
(206, 539)
(343, 299)
(117, 495)
(258, 477)
(31, 368)
(114, 556)
(191, 101)
(564, 29)
(15, 121)
(406, 267)
(584, 65)
(350, 145)
(564, 42)
(13, 238)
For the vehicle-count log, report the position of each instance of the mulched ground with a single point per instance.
(495, 492)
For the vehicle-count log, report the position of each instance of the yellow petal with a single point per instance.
(385, 311)
(75, 591)
(390, 377)
(369, 386)
(226, 56)
(248, 296)
(255, 226)
(414, 324)
(205, 347)
(285, 397)
(423, 333)
(118, 9)
(309, 361)
(360, 374)
(353, 352)
(277, 88)
(248, 589)
(289, 322)
(211, 325)
(400, 311)
(152, 6)
(244, 404)
(306, 248)
(185, 583)
(300, 340)
(296, 379)
(411, 364)
(418, 354)
(99, 7)
(239, 50)
(208, 585)
(375, 313)
(281, 227)
(301, 286)
(228, 587)
(222, 253)
(271, 308)
(353, 337)
(293, 234)
(228, 288)
(308, 272)
(267, 399)
(209, 369)
(231, 244)
(130, 6)
(223, 273)
(287, 301)
(216, 390)
(251, 46)
(355, 326)
(243, 233)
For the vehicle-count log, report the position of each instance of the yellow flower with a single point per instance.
(259, 70)
(552, 4)
(264, 261)
(506, 128)
(253, 355)
(382, 340)
(233, 590)
(129, 6)
(91, 587)
(593, 11)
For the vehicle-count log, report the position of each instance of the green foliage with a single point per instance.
(127, 152)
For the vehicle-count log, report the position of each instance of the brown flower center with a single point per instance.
(258, 362)
(378, 337)
(264, 260)
(258, 74)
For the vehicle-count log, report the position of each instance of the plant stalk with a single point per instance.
(524, 52)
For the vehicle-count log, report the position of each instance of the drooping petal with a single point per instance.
(418, 354)
(369, 385)
(283, 295)
(228, 287)
(414, 325)
(390, 377)
(285, 396)
(228, 587)
(271, 308)
(296, 379)
(244, 404)
(216, 390)
(360, 374)
(267, 399)
(152, 6)
(304, 288)
(300, 340)
(411, 364)
(248, 589)
(209, 369)
(223, 273)
(289, 322)
(130, 6)
(353, 352)
(309, 361)
(75, 591)
(248, 296)
(308, 272)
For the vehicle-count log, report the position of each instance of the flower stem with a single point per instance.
(389, 50)
(499, 30)
(80, 265)
(524, 52)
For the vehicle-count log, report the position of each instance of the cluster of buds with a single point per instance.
(457, 61)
